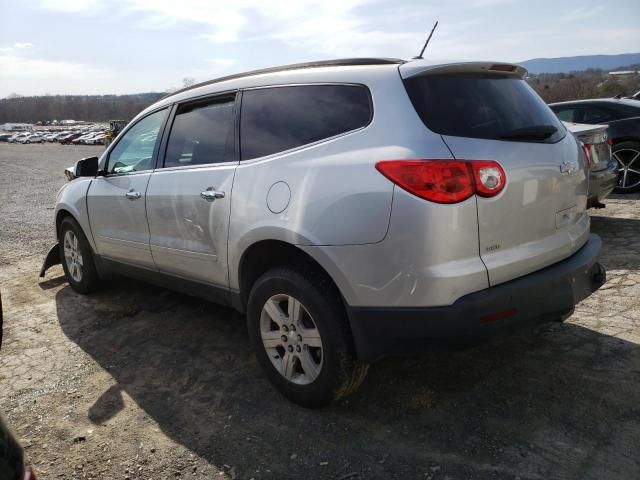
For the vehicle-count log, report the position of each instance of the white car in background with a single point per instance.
(90, 138)
(17, 137)
(32, 138)
(98, 139)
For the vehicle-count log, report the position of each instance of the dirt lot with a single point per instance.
(136, 382)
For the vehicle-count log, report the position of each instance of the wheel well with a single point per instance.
(62, 214)
(268, 254)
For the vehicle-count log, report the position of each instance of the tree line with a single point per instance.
(592, 83)
(94, 108)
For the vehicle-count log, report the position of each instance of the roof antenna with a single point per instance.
(419, 57)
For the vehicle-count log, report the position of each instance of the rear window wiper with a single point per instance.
(539, 132)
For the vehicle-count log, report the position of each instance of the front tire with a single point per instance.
(627, 154)
(299, 331)
(77, 258)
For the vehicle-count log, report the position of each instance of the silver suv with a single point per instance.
(353, 209)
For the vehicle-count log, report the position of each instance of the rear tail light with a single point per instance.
(609, 141)
(489, 177)
(445, 181)
(586, 149)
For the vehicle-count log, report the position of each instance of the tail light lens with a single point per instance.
(586, 149)
(489, 177)
(445, 181)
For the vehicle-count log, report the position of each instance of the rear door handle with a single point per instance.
(210, 194)
(133, 195)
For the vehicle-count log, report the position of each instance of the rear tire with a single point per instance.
(627, 154)
(76, 257)
(312, 363)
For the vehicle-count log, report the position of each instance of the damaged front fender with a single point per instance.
(52, 258)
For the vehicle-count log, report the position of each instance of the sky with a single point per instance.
(131, 46)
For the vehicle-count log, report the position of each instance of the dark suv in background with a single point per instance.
(623, 117)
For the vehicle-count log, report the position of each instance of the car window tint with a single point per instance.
(565, 115)
(278, 119)
(593, 115)
(134, 151)
(202, 133)
(479, 105)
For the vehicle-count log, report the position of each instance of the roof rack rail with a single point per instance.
(343, 62)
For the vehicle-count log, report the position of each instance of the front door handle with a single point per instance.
(210, 194)
(133, 195)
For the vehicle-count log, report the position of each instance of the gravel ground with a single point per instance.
(136, 382)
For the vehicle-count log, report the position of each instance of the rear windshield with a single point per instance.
(483, 106)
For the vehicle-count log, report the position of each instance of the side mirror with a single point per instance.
(87, 167)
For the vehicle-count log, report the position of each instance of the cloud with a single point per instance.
(226, 22)
(332, 28)
(16, 66)
(222, 62)
(469, 29)
(577, 15)
(214, 67)
(70, 5)
(16, 46)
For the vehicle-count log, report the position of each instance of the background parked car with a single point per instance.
(66, 140)
(623, 117)
(58, 136)
(17, 137)
(32, 138)
(603, 168)
(88, 139)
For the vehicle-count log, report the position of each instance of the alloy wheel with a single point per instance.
(291, 339)
(73, 256)
(628, 167)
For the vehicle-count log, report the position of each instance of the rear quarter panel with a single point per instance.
(337, 197)
(625, 130)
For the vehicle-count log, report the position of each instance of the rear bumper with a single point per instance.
(602, 183)
(546, 295)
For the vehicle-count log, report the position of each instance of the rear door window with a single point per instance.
(482, 106)
(202, 133)
(591, 115)
(281, 118)
(565, 115)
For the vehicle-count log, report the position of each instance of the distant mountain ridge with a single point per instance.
(576, 64)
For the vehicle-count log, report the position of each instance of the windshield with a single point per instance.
(483, 106)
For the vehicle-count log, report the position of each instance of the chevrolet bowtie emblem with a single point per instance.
(568, 167)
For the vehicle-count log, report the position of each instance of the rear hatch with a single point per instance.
(485, 111)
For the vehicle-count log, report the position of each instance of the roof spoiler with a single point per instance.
(422, 67)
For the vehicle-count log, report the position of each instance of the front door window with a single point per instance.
(134, 151)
